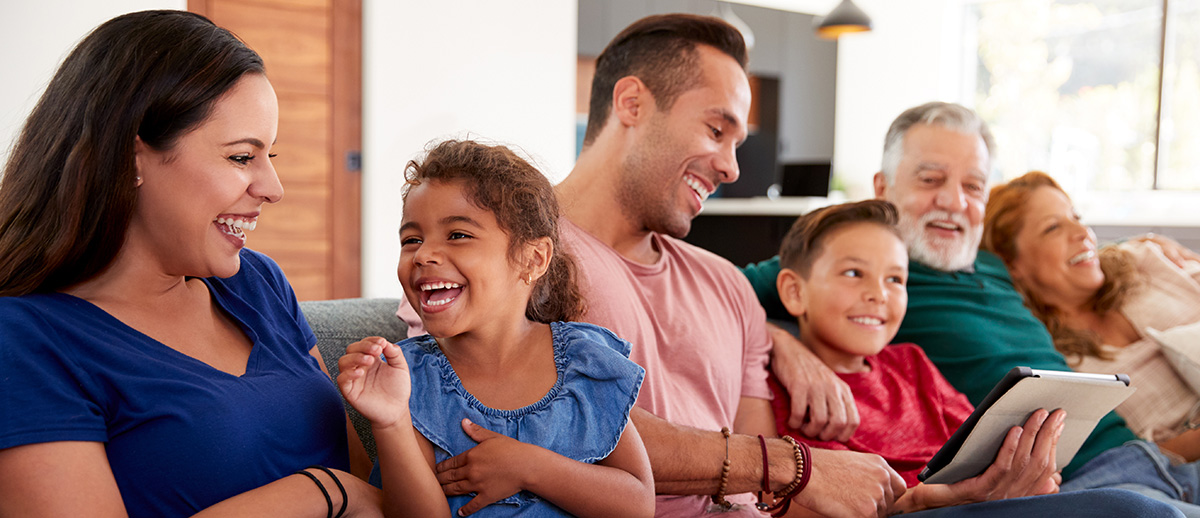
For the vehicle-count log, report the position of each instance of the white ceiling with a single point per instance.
(817, 7)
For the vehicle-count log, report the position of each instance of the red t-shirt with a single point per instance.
(907, 410)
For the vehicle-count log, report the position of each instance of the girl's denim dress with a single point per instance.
(581, 417)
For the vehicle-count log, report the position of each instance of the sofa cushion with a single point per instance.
(341, 322)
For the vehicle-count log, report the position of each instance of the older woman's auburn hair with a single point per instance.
(1003, 220)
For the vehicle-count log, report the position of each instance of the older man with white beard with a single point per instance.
(962, 307)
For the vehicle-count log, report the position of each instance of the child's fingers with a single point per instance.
(454, 481)
(351, 362)
(369, 345)
(479, 502)
(450, 467)
(394, 356)
(476, 432)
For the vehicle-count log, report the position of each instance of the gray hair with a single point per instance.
(947, 115)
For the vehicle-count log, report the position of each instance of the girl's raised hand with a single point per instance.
(494, 469)
(378, 390)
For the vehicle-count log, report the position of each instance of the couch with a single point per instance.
(340, 322)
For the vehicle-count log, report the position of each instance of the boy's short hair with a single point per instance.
(802, 244)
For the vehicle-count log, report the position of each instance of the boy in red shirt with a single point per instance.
(843, 277)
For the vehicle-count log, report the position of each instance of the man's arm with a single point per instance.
(687, 461)
(842, 483)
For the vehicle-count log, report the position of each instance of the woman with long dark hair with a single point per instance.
(151, 364)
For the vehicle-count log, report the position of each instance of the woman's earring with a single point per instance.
(138, 181)
(529, 279)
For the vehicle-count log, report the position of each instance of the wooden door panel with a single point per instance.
(312, 51)
(303, 147)
(293, 41)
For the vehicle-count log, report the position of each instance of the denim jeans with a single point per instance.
(1091, 503)
(1140, 467)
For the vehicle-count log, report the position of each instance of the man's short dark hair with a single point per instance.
(661, 51)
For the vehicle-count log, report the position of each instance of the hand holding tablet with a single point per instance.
(973, 447)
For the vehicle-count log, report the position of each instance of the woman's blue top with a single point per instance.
(180, 435)
(581, 417)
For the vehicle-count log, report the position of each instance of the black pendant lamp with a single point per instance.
(843, 19)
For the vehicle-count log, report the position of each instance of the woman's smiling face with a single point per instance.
(1055, 252)
(197, 199)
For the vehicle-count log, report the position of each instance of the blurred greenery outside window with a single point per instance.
(1072, 87)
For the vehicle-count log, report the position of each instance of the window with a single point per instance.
(1073, 87)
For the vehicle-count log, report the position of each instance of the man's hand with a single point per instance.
(1177, 253)
(848, 483)
(822, 404)
(1024, 466)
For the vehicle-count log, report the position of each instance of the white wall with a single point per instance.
(499, 70)
(911, 56)
(36, 36)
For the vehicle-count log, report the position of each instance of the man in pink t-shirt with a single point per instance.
(669, 104)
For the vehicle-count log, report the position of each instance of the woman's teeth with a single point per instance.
(238, 223)
(236, 226)
(1082, 256)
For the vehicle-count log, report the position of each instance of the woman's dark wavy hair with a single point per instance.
(69, 189)
(495, 179)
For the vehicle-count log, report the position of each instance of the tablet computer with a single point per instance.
(973, 447)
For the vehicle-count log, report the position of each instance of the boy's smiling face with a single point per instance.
(854, 298)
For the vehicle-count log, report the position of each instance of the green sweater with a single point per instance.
(975, 327)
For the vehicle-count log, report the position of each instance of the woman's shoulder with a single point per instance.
(38, 312)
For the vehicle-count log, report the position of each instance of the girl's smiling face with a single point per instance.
(455, 264)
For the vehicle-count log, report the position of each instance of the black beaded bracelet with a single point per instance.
(328, 501)
(340, 487)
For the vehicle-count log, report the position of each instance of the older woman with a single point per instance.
(1098, 303)
(152, 365)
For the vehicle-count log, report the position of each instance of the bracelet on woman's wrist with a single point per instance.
(325, 492)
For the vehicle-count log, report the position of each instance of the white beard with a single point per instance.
(937, 252)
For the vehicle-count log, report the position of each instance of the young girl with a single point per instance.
(502, 407)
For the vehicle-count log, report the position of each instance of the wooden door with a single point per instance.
(313, 55)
